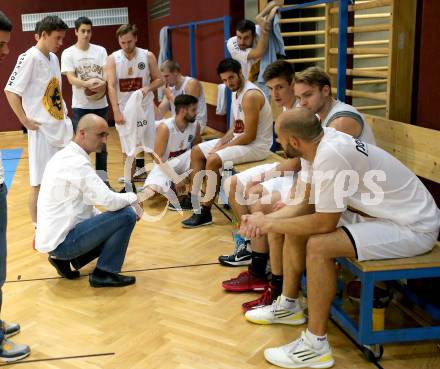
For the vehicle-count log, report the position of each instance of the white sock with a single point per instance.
(288, 302)
(318, 342)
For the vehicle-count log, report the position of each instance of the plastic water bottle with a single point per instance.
(226, 173)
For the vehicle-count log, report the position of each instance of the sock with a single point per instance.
(206, 209)
(318, 342)
(277, 281)
(288, 302)
(237, 226)
(35, 225)
(100, 273)
(259, 262)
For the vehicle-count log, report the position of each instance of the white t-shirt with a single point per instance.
(242, 55)
(86, 64)
(347, 172)
(265, 120)
(69, 191)
(37, 79)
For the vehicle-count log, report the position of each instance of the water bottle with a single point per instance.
(226, 173)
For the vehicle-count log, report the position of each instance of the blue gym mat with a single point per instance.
(10, 159)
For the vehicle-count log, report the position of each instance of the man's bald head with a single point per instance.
(300, 123)
(91, 121)
(92, 133)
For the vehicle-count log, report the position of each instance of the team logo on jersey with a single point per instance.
(141, 66)
(361, 147)
(190, 138)
(53, 100)
(238, 126)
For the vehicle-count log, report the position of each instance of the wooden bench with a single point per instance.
(418, 148)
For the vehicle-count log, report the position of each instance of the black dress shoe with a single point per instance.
(63, 268)
(198, 220)
(106, 279)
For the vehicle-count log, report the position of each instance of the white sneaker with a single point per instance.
(300, 354)
(275, 313)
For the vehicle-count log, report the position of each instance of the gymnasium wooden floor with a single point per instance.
(176, 316)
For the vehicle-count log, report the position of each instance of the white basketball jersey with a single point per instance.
(340, 109)
(131, 74)
(202, 112)
(265, 120)
(178, 141)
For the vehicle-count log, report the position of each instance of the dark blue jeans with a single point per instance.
(109, 231)
(77, 114)
(3, 250)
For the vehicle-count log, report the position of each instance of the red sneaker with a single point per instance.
(245, 281)
(269, 295)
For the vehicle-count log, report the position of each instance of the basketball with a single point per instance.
(95, 95)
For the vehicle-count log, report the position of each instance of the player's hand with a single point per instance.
(278, 205)
(271, 16)
(249, 186)
(168, 94)
(98, 85)
(253, 225)
(139, 210)
(119, 118)
(181, 188)
(31, 124)
(145, 90)
(218, 146)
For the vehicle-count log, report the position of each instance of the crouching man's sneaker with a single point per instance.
(301, 354)
(10, 351)
(276, 313)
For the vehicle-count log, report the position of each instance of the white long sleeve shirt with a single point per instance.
(69, 191)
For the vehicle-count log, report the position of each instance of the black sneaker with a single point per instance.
(241, 256)
(198, 220)
(185, 204)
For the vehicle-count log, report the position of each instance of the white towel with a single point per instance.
(139, 127)
(221, 100)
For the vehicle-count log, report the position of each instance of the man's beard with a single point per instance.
(190, 119)
(239, 84)
(291, 152)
